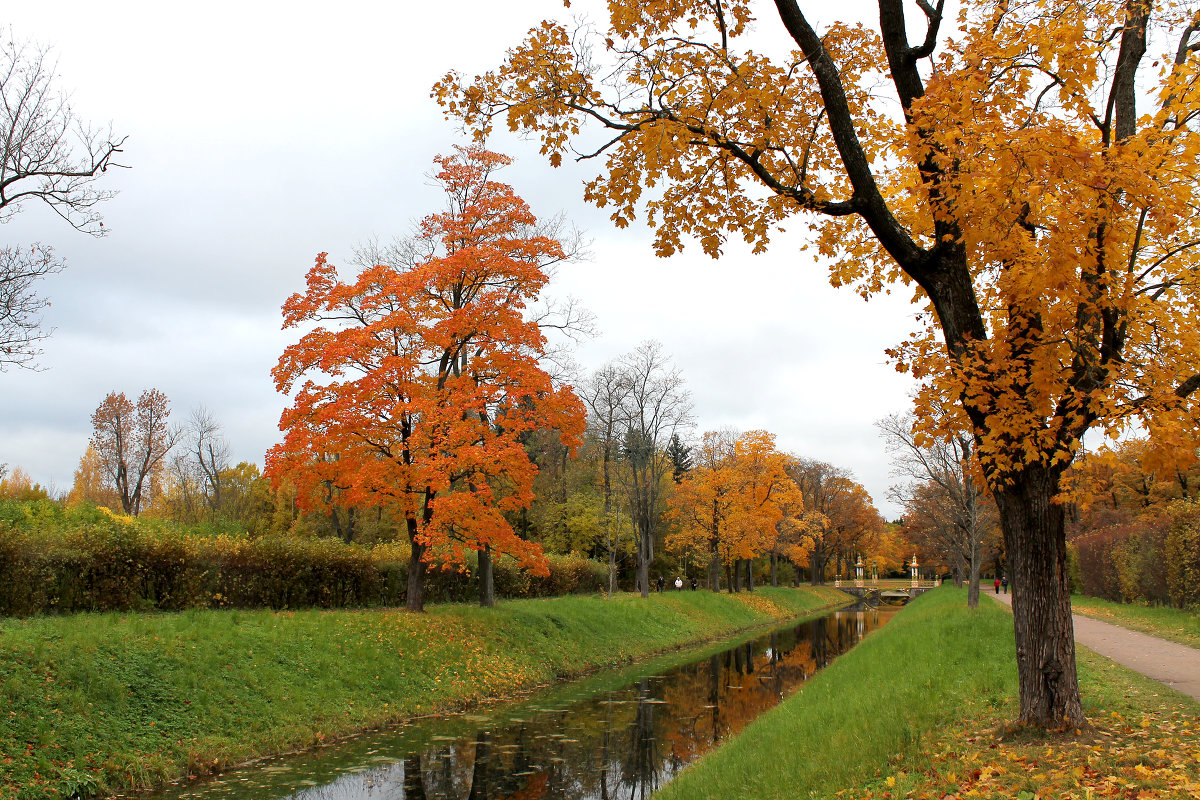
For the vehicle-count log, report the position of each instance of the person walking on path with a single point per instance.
(997, 585)
(1004, 584)
(1171, 663)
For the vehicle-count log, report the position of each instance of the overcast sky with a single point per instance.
(261, 134)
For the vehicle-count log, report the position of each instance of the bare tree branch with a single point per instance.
(21, 307)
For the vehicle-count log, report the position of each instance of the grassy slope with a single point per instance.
(1179, 625)
(919, 710)
(99, 702)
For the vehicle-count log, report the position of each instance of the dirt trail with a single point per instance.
(1174, 664)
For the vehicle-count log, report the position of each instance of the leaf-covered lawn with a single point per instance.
(1142, 743)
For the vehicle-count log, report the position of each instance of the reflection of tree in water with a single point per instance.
(605, 754)
(622, 746)
(446, 770)
(414, 782)
(380, 783)
(639, 772)
(714, 696)
(479, 770)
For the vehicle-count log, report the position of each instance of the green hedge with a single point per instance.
(61, 560)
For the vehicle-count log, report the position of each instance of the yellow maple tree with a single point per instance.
(1031, 175)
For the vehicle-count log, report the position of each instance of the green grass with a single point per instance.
(1178, 625)
(94, 703)
(880, 698)
(921, 708)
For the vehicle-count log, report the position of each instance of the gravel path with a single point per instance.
(1174, 664)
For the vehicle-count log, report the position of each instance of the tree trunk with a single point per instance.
(643, 566)
(612, 569)
(415, 596)
(736, 584)
(487, 585)
(774, 569)
(1035, 538)
(973, 567)
(714, 571)
(749, 574)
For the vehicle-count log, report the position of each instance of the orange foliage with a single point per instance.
(91, 484)
(419, 381)
(19, 486)
(839, 515)
(131, 442)
(730, 505)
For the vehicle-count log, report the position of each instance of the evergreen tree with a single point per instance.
(681, 457)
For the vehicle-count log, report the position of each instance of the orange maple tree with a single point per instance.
(838, 519)
(416, 382)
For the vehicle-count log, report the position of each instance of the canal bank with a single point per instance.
(923, 709)
(99, 703)
(615, 734)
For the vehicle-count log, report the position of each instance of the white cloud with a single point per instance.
(262, 133)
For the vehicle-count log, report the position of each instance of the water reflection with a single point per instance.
(615, 743)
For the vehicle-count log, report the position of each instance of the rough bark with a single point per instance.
(487, 584)
(973, 580)
(645, 555)
(415, 594)
(612, 571)
(714, 571)
(1035, 539)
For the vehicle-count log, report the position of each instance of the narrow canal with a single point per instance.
(620, 734)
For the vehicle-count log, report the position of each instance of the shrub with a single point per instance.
(1182, 554)
(1073, 572)
(1126, 559)
(87, 559)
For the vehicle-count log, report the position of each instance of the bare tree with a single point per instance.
(209, 450)
(185, 490)
(938, 476)
(20, 306)
(657, 406)
(49, 156)
(605, 394)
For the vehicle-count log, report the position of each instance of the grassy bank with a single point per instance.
(1178, 625)
(95, 703)
(920, 710)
